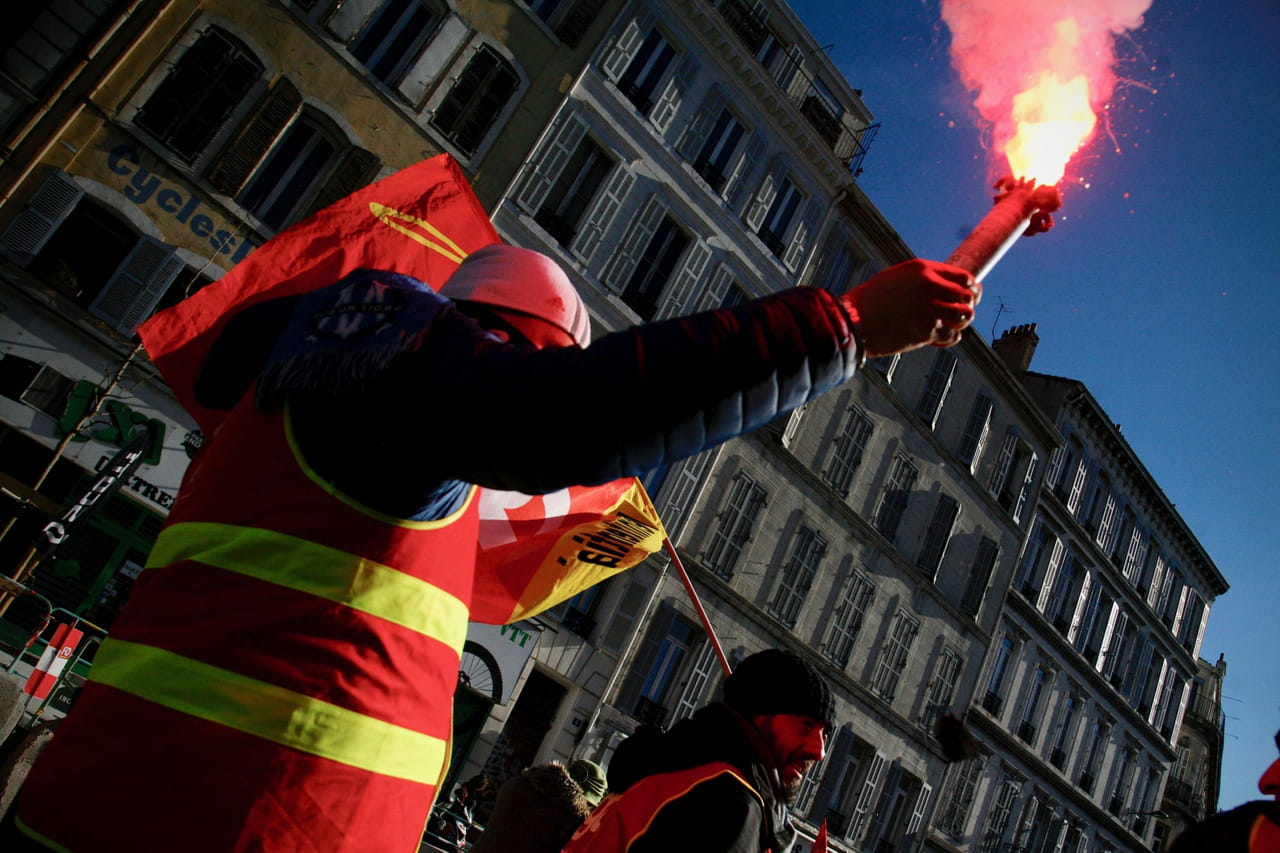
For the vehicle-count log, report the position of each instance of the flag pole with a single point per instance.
(697, 604)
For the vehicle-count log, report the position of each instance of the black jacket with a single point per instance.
(463, 408)
(717, 816)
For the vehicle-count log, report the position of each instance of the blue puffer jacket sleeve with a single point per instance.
(464, 407)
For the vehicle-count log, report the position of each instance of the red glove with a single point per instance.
(913, 304)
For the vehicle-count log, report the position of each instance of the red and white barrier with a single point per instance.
(53, 661)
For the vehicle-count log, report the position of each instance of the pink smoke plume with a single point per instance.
(1040, 72)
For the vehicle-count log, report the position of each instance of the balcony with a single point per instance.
(848, 137)
(992, 703)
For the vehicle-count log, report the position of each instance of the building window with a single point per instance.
(656, 264)
(894, 655)
(936, 386)
(1036, 563)
(573, 190)
(393, 37)
(777, 220)
(1091, 760)
(998, 818)
(476, 100)
(942, 688)
(937, 535)
(279, 190)
(894, 498)
(964, 785)
(847, 450)
(1091, 626)
(975, 588)
(848, 619)
(201, 90)
(993, 701)
(807, 551)
(41, 43)
(1121, 782)
(976, 429)
(737, 521)
(1064, 594)
(1031, 704)
(1014, 474)
(646, 70)
(1065, 732)
(651, 689)
(715, 157)
(82, 250)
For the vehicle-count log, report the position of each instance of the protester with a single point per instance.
(1250, 828)
(536, 812)
(281, 678)
(720, 781)
(590, 777)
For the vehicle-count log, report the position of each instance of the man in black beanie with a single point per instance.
(720, 781)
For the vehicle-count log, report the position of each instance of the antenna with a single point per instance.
(996, 321)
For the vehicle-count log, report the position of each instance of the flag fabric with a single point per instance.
(820, 843)
(538, 551)
(534, 551)
(421, 221)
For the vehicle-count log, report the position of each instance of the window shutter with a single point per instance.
(31, 229)
(917, 813)
(355, 169)
(675, 504)
(794, 257)
(736, 185)
(588, 239)
(673, 93)
(765, 195)
(628, 42)
(427, 68)
(867, 795)
(695, 133)
(691, 698)
(691, 272)
(834, 764)
(137, 285)
(640, 232)
(541, 172)
(349, 16)
(242, 155)
(714, 295)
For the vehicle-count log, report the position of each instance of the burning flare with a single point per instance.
(1039, 72)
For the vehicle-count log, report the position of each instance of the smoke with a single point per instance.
(1000, 48)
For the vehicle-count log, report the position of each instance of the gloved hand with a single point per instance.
(912, 304)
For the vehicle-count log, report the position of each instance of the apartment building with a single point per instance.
(1095, 657)
(706, 154)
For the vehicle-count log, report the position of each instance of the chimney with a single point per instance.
(1017, 346)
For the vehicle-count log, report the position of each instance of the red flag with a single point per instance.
(421, 221)
(820, 843)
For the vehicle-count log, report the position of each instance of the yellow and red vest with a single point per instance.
(280, 679)
(620, 820)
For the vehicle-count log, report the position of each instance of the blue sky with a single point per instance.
(1158, 288)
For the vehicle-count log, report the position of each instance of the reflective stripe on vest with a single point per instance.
(619, 821)
(273, 713)
(336, 576)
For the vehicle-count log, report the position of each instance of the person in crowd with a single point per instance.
(721, 780)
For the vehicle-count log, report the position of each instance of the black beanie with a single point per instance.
(779, 682)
